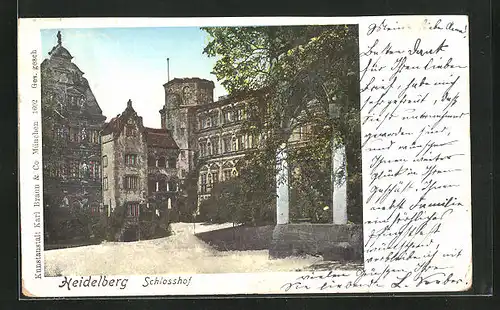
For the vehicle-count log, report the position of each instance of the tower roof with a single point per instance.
(59, 50)
(160, 137)
(116, 124)
(190, 80)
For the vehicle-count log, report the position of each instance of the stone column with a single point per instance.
(339, 196)
(282, 207)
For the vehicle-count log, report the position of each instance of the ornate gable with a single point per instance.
(64, 81)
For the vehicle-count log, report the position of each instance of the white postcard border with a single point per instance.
(36, 285)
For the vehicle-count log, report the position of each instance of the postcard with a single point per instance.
(233, 156)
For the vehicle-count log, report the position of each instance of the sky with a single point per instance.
(131, 63)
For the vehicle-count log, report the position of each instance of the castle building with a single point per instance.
(71, 122)
(147, 174)
(183, 98)
(139, 173)
(208, 132)
(220, 143)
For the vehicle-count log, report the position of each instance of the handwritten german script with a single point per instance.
(415, 149)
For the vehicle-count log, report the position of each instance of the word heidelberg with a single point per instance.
(89, 281)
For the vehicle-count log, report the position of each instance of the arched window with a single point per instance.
(151, 161)
(215, 146)
(215, 119)
(161, 162)
(227, 144)
(172, 162)
(203, 182)
(234, 146)
(241, 143)
(151, 186)
(161, 185)
(209, 148)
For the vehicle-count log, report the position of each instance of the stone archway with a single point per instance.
(337, 237)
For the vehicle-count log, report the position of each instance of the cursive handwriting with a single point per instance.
(413, 112)
(414, 115)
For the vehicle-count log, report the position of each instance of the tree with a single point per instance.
(294, 73)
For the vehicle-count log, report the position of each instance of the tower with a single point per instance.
(71, 123)
(182, 99)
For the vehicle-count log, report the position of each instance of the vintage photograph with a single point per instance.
(176, 150)
(307, 155)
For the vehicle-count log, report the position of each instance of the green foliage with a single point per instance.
(294, 74)
(115, 223)
(310, 186)
(186, 204)
(154, 229)
(63, 225)
(248, 199)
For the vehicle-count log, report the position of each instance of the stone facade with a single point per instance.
(139, 172)
(163, 180)
(219, 142)
(71, 122)
(208, 132)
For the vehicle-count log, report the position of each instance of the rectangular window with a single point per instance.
(224, 117)
(131, 182)
(203, 183)
(133, 210)
(227, 145)
(172, 162)
(105, 161)
(203, 149)
(73, 168)
(94, 169)
(94, 136)
(209, 148)
(238, 115)
(215, 120)
(130, 130)
(215, 146)
(256, 140)
(65, 168)
(234, 146)
(72, 102)
(105, 183)
(131, 159)
(58, 132)
(74, 134)
(210, 182)
(241, 143)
